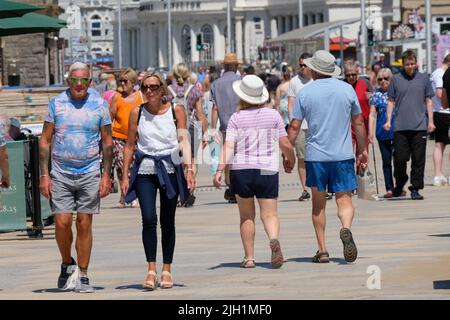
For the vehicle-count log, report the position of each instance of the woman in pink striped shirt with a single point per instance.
(253, 136)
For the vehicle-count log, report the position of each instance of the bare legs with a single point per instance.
(269, 217)
(345, 213)
(64, 238)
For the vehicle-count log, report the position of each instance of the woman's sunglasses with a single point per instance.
(152, 87)
(381, 79)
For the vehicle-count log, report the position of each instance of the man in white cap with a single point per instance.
(14, 130)
(327, 105)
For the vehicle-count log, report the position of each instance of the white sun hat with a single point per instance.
(251, 89)
(323, 62)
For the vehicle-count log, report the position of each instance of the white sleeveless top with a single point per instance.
(157, 137)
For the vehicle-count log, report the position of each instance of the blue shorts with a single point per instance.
(249, 183)
(331, 176)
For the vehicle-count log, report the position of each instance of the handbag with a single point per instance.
(366, 185)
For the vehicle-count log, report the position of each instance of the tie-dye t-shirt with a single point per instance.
(76, 141)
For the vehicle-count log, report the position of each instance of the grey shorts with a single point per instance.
(300, 143)
(75, 192)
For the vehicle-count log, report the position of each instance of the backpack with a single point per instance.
(181, 98)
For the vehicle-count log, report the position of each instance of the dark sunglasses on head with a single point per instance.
(381, 79)
(84, 81)
(302, 65)
(351, 74)
(152, 87)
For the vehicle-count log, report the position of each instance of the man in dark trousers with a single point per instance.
(410, 92)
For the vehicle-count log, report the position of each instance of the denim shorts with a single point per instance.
(331, 176)
(249, 183)
(75, 192)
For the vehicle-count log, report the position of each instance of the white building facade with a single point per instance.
(145, 27)
(89, 28)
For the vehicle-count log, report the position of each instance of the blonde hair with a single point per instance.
(206, 84)
(160, 77)
(246, 105)
(130, 75)
(181, 73)
(193, 78)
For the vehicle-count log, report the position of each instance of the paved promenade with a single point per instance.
(408, 242)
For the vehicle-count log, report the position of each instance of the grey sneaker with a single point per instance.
(84, 286)
(305, 196)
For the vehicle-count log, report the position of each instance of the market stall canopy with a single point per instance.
(10, 9)
(30, 23)
(312, 30)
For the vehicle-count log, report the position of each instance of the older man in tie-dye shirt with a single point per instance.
(77, 121)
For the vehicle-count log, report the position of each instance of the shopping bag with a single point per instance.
(366, 185)
(73, 282)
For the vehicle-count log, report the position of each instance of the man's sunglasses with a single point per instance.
(152, 87)
(302, 65)
(83, 81)
(351, 74)
(381, 79)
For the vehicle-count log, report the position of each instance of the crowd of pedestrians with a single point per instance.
(152, 128)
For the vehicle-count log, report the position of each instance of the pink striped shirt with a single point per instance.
(255, 133)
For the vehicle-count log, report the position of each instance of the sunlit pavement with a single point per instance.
(403, 251)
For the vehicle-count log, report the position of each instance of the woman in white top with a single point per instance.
(152, 128)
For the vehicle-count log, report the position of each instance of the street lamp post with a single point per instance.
(300, 13)
(428, 26)
(169, 33)
(363, 40)
(120, 34)
(229, 25)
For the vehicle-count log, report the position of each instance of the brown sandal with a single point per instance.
(277, 256)
(321, 257)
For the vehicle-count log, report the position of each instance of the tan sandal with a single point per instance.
(166, 284)
(248, 263)
(151, 284)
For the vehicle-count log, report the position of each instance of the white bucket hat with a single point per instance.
(251, 89)
(323, 62)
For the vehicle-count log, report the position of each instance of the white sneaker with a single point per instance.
(440, 181)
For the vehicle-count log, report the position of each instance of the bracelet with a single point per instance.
(190, 169)
(43, 175)
(217, 171)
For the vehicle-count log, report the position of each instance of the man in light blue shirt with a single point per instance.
(328, 105)
(76, 126)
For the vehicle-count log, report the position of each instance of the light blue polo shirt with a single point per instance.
(327, 105)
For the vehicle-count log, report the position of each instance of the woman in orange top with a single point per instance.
(121, 105)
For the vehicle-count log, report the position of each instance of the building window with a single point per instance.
(96, 26)
(320, 18)
(208, 38)
(305, 20)
(257, 23)
(186, 43)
